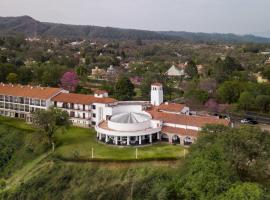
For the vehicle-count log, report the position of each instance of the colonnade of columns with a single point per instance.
(128, 140)
(142, 139)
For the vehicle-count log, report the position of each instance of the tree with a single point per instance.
(247, 191)
(197, 96)
(49, 121)
(48, 75)
(248, 152)
(229, 91)
(263, 102)
(81, 71)
(5, 69)
(224, 68)
(124, 89)
(69, 81)
(191, 70)
(246, 100)
(222, 162)
(12, 78)
(25, 75)
(145, 86)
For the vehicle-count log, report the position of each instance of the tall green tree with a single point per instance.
(224, 68)
(247, 191)
(263, 103)
(124, 89)
(246, 101)
(49, 121)
(229, 91)
(191, 70)
(12, 78)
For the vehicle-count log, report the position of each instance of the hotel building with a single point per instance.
(116, 122)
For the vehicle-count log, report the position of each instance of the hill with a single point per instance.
(31, 27)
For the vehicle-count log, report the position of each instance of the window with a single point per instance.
(26, 108)
(37, 102)
(21, 107)
(83, 115)
(93, 107)
(43, 103)
(93, 123)
(83, 107)
(26, 100)
(72, 114)
(1, 98)
(94, 115)
(21, 100)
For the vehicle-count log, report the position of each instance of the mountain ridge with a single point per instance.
(30, 27)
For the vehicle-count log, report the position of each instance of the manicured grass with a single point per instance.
(16, 123)
(77, 143)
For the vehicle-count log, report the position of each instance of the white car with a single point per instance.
(244, 121)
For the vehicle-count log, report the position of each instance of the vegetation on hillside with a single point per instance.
(221, 165)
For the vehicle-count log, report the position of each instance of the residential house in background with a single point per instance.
(177, 70)
(98, 73)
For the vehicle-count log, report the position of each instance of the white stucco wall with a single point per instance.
(129, 127)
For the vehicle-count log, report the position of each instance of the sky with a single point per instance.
(222, 16)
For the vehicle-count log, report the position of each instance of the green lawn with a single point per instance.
(16, 123)
(78, 143)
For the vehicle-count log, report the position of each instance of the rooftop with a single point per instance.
(28, 91)
(156, 84)
(81, 99)
(191, 120)
(171, 107)
(130, 118)
(179, 131)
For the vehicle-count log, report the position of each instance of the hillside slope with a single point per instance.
(31, 27)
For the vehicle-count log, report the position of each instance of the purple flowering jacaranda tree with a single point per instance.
(69, 81)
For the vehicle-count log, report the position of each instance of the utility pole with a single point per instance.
(136, 153)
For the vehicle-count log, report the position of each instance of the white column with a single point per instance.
(106, 139)
(170, 138)
(158, 135)
(115, 140)
(97, 134)
(140, 140)
(127, 140)
(182, 141)
(100, 136)
(150, 138)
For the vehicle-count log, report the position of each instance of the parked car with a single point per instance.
(248, 120)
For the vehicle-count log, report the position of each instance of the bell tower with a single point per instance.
(156, 94)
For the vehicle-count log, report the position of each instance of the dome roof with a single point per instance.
(130, 118)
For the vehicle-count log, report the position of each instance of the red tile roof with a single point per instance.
(171, 107)
(28, 91)
(100, 91)
(180, 131)
(156, 84)
(191, 120)
(81, 99)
